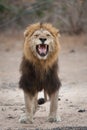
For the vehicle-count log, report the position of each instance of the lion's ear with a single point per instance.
(26, 32)
(58, 33)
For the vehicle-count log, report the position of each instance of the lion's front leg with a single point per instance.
(53, 117)
(30, 104)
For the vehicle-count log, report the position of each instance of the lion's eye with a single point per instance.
(48, 35)
(36, 35)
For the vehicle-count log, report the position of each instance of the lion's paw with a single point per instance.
(24, 119)
(54, 119)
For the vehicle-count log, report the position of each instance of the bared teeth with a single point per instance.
(38, 46)
(46, 46)
(42, 46)
(42, 49)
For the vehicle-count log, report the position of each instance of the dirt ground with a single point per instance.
(73, 93)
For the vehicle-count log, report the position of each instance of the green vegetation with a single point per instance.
(69, 16)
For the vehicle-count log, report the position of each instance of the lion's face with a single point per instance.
(41, 42)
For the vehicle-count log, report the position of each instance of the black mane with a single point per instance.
(34, 80)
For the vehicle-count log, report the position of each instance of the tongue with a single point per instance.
(42, 50)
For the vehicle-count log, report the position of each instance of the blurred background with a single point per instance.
(68, 15)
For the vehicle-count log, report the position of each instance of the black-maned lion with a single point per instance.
(39, 68)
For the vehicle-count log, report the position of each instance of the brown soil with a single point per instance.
(73, 93)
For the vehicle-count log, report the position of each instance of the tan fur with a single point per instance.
(31, 107)
(53, 117)
(45, 95)
(30, 101)
(27, 51)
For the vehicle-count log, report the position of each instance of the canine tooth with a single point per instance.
(46, 46)
(38, 46)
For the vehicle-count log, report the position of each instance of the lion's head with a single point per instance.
(41, 43)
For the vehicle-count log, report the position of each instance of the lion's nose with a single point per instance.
(42, 39)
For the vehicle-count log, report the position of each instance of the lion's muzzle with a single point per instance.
(42, 49)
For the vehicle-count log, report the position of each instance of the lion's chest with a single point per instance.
(34, 80)
(38, 78)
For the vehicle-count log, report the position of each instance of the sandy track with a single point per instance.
(73, 93)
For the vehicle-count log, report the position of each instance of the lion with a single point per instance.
(39, 69)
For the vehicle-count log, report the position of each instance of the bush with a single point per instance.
(68, 15)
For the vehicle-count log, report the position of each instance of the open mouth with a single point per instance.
(42, 49)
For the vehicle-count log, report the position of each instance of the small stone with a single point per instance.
(81, 110)
(15, 109)
(59, 99)
(71, 105)
(10, 117)
(70, 102)
(7, 49)
(3, 109)
(72, 51)
(9, 129)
